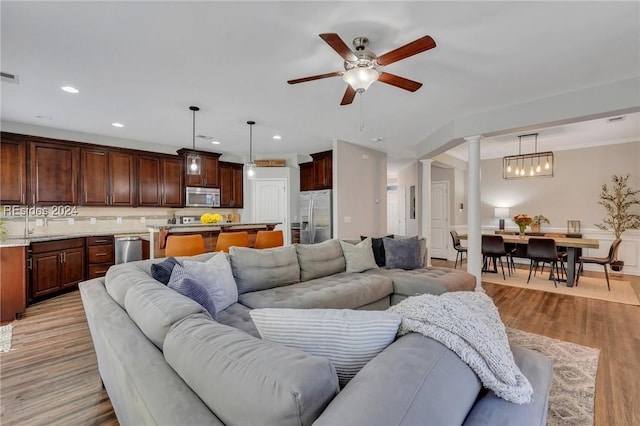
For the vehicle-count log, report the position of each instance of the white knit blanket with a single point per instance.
(468, 323)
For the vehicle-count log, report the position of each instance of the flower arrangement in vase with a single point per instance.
(209, 218)
(522, 220)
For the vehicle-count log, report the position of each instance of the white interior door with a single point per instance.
(395, 213)
(270, 202)
(439, 220)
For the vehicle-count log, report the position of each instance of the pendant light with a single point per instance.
(528, 165)
(193, 159)
(251, 167)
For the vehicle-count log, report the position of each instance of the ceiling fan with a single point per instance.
(361, 66)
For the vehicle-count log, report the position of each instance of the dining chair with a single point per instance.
(228, 239)
(493, 249)
(460, 249)
(604, 261)
(184, 245)
(544, 250)
(269, 239)
(562, 251)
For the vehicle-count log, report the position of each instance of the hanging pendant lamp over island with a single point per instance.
(251, 166)
(193, 159)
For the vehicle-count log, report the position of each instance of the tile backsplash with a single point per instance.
(19, 221)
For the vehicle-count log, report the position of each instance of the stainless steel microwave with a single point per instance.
(202, 197)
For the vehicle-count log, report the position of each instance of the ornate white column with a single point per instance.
(425, 206)
(474, 231)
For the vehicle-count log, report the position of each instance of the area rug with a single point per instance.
(5, 337)
(589, 287)
(571, 398)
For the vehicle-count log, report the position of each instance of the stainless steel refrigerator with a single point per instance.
(315, 216)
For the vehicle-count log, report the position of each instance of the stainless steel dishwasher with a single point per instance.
(128, 249)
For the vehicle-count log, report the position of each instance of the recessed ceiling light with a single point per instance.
(44, 117)
(117, 124)
(377, 139)
(70, 89)
(277, 137)
(215, 142)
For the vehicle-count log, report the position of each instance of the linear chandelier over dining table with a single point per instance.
(531, 165)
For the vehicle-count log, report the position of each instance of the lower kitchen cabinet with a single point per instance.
(13, 276)
(56, 266)
(100, 255)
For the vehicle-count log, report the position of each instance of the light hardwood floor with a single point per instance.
(50, 376)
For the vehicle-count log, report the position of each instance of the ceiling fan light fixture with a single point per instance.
(360, 78)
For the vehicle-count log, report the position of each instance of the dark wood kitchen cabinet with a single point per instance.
(100, 255)
(13, 171)
(13, 276)
(231, 185)
(53, 169)
(306, 176)
(160, 181)
(208, 176)
(107, 178)
(56, 266)
(323, 170)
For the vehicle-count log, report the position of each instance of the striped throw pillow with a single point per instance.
(348, 338)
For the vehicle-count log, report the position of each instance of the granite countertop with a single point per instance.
(22, 242)
(209, 227)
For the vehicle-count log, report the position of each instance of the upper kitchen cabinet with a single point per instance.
(13, 170)
(53, 172)
(306, 176)
(160, 181)
(231, 181)
(107, 178)
(208, 176)
(323, 170)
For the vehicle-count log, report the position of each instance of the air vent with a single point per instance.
(9, 78)
(615, 119)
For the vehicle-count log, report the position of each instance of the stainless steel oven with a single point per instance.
(202, 197)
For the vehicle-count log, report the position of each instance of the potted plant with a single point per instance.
(537, 221)
(618, 201)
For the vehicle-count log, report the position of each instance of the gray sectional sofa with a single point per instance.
(164, 360)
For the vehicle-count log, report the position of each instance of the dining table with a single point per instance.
(571, 244)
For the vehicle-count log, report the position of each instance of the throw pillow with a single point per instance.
(348, 338)
(359, 257)
(162, 271)
(187, 285)
(215, 274)
(402, 254)
(378, 249)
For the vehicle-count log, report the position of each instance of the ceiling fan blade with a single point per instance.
(420, 45)
(349, 94)
(401, 82)
(339, 46)
(314, 77)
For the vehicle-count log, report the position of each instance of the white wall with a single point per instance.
(408, 177)
(359, 191)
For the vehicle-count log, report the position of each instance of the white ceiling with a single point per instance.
(144, 63)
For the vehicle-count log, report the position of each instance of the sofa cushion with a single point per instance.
(493, 410)
(161, 271)
(403, 254)
(320, 260)
(155, 308)
(348, 338)
(188, 285)
(414, 381)
(378, 248)
(249, 381)
(256, 269)
(340, 291)
(432, 280)
(359, 257)
(237, 316)
(216, 275)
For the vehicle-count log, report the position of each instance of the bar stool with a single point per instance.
(268, 239)
(228, 239)
(184, 245)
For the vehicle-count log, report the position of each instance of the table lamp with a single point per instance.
(501, 213)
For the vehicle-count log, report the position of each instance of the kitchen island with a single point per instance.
(158, 234)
